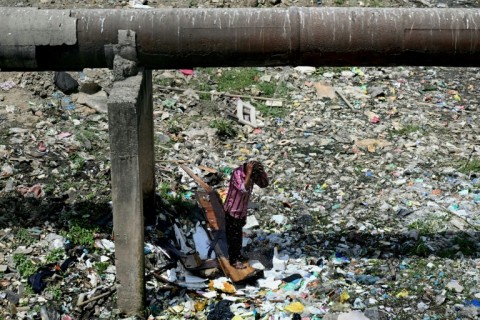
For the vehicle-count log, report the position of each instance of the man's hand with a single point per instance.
(249, 167)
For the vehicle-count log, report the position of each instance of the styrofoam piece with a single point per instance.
(273, 274)
(138, 4)
(246, 241)
(172, 275)
(229, 297)
(219, 283)
(279, 219)
(279, 263)
(251, 222)
(269, 283)
(190, 278)
(305, 69)
(246, 113)
(314, 310)
(352, 315)
(257, 265)
(202, 242)
(274, 103)
(209, 294)
(181, 239)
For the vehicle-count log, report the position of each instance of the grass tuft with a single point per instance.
(408, 129)
(80, 235)
(24, 265)
(101, 267)
(470, 166)
(24, 237)
(55, 255)
(225, 128)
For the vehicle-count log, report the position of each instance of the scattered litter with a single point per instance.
(454, 285)
(247, 114)
(65, 82)
(138, 4)
(371, 212)
(186, 72)
(324, 90)
(295, 307)
(34, 191)
(274, 103)
(306, 70)
(7, 85)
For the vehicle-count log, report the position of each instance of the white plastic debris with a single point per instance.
(256, 265)
(279, 219)
(57, 244)
(138, 4)
(181, 239)
(251, 222)
(279, 263)
(421, 306)
(274, 103)
(352, 315)
(190, 278)
(246, 114)
(93, 279)
(202, 242)
(454, 285)
(269, 283)
(305, 69)
(221, 283)
(209, 294)
(171, 275)
(108, 245)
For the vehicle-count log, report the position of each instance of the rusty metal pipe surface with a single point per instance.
(175, 38)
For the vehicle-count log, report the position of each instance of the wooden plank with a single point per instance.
(207, 206)
(210, 170)
(196, 178)
(236, 275)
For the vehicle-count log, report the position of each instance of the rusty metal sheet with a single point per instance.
(213, 211)
(211, 203)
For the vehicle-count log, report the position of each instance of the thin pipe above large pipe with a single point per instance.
(180, 38)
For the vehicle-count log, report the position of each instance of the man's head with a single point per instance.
(259, 175)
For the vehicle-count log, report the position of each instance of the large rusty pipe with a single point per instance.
(174, 38)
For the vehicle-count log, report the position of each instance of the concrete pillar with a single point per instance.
(146, 149)
(130, 120)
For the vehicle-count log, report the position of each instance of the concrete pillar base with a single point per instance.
(130, 119)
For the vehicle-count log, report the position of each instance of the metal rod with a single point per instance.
(181, 38)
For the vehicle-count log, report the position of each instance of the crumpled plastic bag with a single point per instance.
(221, 312)
(295, 307)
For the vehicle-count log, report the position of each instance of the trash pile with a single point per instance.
(373, 208)
(372, 212)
